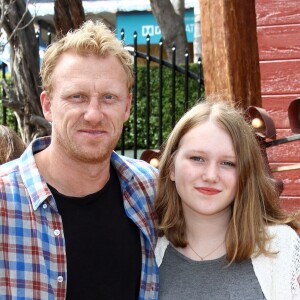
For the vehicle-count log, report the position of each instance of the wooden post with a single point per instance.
(230, 51)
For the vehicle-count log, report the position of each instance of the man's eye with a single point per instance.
(109, 97)
(78, 97)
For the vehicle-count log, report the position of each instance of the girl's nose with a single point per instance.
(211, 173)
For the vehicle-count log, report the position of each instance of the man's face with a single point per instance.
(88, 106)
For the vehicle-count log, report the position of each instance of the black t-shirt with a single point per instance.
(102, 244)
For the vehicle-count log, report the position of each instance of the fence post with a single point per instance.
(160, 96)
(173, 83)
(4, 110)
(123, 131)
(135, 96)
(186, 80)
(199, 76)
(49, 36)
(37, 35)
(148, 100)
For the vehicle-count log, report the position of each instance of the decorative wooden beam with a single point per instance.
(230, 51)
(286, 168)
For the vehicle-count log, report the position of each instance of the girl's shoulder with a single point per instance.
(278, 273)
(282, 236)
(160, 249)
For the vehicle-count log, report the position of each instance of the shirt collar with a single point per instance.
(36, 186)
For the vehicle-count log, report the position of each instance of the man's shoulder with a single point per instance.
(22, 174)
(131, 166)
(11, 184)
(10, 173)
(140, 165)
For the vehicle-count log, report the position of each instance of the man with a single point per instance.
(76, 219)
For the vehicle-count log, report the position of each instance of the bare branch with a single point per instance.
(40, 122)
(19, 23)
(3, 13)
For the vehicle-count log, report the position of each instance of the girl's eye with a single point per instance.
(197, 158)
(228, 164)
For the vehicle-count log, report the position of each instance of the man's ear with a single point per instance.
(128, 105)
(46, 105)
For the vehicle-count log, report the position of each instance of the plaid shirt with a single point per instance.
(33, 262)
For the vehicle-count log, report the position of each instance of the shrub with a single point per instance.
(154, 105)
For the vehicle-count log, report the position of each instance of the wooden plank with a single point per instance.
(284, 153)
(291, 182)
(277, 12)
(280, 77)
(279, 42)
(290, 188)
(281, 133)
(290, 203)
(277, 164)
(278, 32)
(277, 108)
(286, 167)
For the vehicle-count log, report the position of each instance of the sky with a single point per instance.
(46, 7)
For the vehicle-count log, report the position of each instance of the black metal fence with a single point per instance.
(175, 71)
(6, 119)
(149, 60)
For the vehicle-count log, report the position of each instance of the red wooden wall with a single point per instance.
(278, 30)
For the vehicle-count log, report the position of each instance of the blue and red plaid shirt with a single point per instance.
(33, 263)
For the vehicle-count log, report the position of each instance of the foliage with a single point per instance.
(7, 116)
(154, 105)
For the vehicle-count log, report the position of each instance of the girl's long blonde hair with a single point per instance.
(256, 203)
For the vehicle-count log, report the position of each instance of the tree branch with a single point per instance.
(19, 24)
(40, 122)
(18, 27)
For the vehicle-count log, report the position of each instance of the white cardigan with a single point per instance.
(277, 275)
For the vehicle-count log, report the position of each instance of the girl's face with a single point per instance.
(205, 171)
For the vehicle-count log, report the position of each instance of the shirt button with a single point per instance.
(56, 232)
(60, 279)
(45, 205)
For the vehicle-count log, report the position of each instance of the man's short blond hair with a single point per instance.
(91, 38)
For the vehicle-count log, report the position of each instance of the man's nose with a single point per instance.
(93, 112)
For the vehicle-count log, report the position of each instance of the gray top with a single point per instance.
(182, 278)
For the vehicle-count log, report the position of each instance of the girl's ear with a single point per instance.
(172, 173)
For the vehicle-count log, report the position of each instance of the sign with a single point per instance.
(144, 23)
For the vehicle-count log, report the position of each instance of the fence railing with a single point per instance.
(175, 70)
